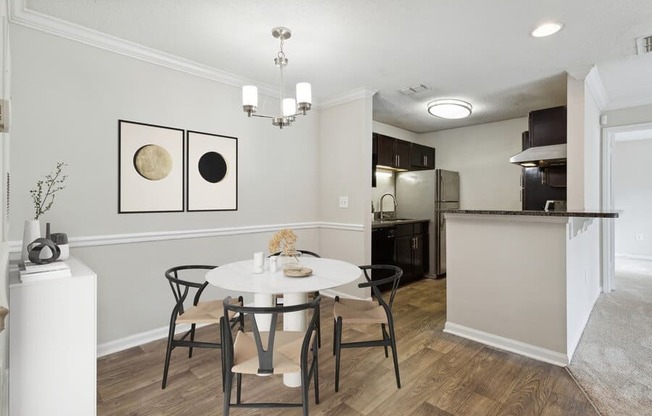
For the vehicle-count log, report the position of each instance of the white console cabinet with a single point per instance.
(53, 344)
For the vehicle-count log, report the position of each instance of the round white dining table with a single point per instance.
(240, 277)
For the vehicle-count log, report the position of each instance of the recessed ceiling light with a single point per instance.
(547, 29)
(450, 108)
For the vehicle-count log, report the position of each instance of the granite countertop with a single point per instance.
(587, 214)
(390, 223)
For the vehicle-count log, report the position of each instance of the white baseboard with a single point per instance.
(507, 344)
(634, 256)
(138, 339)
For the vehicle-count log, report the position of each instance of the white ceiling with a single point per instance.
(476, 50)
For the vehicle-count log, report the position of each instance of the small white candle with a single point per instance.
(259, 262)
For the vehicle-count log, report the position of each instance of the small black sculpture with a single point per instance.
(35, 247)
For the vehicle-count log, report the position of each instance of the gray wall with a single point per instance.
(481, 154)
(632, 190)
(67, 99)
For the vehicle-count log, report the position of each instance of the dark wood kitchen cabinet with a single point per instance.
(403, 245)
(392, 152)
(547, 127)
(412, 250)
(422, 157)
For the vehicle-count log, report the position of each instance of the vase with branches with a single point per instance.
(43, 196)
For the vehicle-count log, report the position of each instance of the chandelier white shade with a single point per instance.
(450, 108)
(290, 107)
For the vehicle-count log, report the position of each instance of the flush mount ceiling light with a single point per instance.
(290, 108)
(546, 29)
(450, 108)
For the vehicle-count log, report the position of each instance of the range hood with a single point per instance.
(541, 156)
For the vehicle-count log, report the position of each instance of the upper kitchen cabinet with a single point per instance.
(392, 153)
(547, 126)
(422, 157)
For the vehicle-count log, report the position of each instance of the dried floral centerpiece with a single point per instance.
(284, 243)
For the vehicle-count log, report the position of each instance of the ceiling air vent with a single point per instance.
(644, 45)
(413, 89)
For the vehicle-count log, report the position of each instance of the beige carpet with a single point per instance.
(613, 361)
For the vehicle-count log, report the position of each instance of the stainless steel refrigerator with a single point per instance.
(418, 193)
(447, 196)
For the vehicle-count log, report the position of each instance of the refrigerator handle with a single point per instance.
(442, 190)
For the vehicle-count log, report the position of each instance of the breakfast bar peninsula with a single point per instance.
(523, 281)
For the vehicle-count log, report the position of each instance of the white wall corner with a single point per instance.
(575, 340)
(595, 85)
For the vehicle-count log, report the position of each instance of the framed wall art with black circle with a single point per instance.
(212, 172)
(150, 168)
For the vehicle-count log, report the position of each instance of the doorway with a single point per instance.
(620, 147)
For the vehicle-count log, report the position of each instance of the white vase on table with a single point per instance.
(31, 232)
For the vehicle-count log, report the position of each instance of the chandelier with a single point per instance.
(290, 108)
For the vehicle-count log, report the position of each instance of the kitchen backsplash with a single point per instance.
(384, 184)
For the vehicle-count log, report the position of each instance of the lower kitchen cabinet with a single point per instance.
(410, 250)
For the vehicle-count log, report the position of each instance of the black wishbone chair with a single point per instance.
(197, 312)
(377, 311)
(313, 294)
(270, 352)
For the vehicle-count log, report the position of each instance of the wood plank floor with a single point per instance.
(441, 374)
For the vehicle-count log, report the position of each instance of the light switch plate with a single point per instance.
(344, 202)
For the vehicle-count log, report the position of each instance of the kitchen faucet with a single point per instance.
(381, 204)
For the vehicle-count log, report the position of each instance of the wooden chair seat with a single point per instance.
(287, 352)
(359, 312)
(207, 312)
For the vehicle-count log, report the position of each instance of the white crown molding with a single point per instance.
(595, 85)
(21, 15)
(132, 238)
(507, 344)
(348, 97)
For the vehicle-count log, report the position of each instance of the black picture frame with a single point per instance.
(151, 167)
(211, 172)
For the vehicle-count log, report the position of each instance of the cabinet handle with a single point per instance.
(398, 160)
(416, 243)
(425, 160)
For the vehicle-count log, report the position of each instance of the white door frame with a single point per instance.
(609, 137)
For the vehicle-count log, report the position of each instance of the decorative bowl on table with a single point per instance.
(296, 270)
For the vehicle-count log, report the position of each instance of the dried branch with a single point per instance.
(53, 183)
